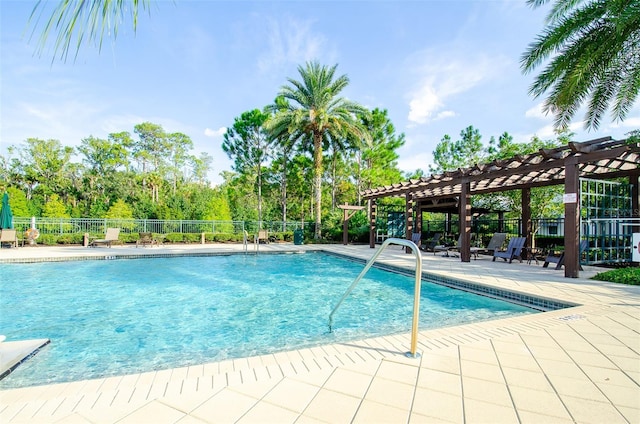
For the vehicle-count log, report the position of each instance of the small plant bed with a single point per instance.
(629, 275)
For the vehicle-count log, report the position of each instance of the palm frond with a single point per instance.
(80, 21)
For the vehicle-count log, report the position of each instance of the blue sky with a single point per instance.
(192, 66)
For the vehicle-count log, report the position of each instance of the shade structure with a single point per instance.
(6, 216)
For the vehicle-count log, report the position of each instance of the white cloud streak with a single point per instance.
(215, 133)
(441, 78)
(290, 42)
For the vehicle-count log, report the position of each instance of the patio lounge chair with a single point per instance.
(496, 242)
(559, 260)
(446, 249)
(514, 250)
(9, 237)
(263, 235)
(434, 241)
(473, 250)
(145, 239)
(110, 236)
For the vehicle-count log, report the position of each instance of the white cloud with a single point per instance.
(441, 78)
(538, 112)
(291, 42)
(215, 133)
(445, 114)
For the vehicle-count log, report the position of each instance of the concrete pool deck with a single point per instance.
(579, 365)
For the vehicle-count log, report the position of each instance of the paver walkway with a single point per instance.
(579, 365)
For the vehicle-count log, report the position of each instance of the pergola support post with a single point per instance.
(408, 219)
(527, 228)
(634, 180)
(465, 222)
(571, 218)
(373, 207)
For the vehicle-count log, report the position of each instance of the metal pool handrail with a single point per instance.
(416, 292)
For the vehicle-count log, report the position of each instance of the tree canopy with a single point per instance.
(593, 53)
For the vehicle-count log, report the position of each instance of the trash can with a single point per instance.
(298, 236)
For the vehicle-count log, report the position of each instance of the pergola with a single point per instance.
(602, 158)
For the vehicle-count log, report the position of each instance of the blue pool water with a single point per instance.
(126, 316)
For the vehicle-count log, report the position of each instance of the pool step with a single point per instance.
(13, 354)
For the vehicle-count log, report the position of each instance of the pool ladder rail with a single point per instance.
(416, 291)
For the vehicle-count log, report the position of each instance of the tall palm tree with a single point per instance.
(314, 114)
(83, 21)
(594, 46)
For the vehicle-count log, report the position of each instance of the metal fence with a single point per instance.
(543, 227)
(610, 239)
(61, 226)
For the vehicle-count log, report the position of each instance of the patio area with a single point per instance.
(575, 365)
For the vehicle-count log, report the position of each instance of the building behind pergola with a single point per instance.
(602, 158)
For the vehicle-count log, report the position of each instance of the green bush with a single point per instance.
(47, 239)
(191, 238)
(69, 239)
(173, 237)
(621, 275)
(128, 237)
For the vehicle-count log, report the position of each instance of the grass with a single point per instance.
(630, 275)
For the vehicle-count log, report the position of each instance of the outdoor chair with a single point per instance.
(146, 239)
(110, 237)
(444, 248)
(496, 242)
(514, 250)
(263, 235)
(9, 237)
(434, 241)
(473, 250)
(559, 260)
(416, 238)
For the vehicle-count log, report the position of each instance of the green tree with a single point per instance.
(246, 142)
(593, 47)
(378, 162)
(18, 202)
(218, 207)
(44, 165)
(450, 155)
(54, 208)
(119, 210)
(179, 145)
(315, 114)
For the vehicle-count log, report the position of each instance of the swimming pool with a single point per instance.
(126, 316)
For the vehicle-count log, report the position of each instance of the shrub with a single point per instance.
(69, 239)
(191, 238)
(629, 275)
(47, 239)
(173, 237)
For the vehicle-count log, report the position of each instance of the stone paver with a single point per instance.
(578, 365)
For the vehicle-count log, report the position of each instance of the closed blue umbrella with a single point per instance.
(6, 217)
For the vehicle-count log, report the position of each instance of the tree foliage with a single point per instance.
(593, 53)
(312, 114)
(74, 23)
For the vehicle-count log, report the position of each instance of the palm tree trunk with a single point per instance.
(260, 194)
(317, 166)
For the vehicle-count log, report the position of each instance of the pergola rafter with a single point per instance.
(603, 158)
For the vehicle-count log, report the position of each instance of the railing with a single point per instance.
(610, 239)
(416, 292)
(60, 226)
